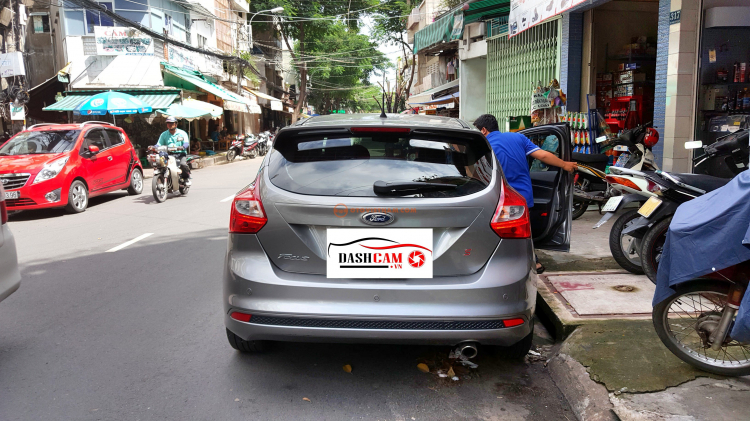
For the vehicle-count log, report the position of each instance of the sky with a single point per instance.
(393, 52)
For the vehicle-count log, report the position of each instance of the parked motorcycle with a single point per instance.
(672, 190)
(700, 310)
(265, 140)
(590, 184)
(246, 146)
(167, 175)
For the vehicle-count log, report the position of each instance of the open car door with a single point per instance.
(551, 216)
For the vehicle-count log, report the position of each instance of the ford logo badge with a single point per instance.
(378, 218)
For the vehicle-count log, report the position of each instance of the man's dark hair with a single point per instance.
(486, 121)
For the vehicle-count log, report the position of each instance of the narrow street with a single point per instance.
(138, 333)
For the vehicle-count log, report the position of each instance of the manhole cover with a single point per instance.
(624, 288)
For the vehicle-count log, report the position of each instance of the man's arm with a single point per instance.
(551, 159)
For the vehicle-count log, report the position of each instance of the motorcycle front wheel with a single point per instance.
(684, 321)
(231, 154)
(653, 246)
(625, 248)
(159, 187)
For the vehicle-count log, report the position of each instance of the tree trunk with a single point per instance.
(302, 71)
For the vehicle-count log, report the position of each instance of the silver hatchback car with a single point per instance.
(10, 278)
(399, 229)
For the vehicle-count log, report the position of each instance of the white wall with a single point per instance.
(472, 87)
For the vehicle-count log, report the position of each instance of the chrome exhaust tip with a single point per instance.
(467, 350)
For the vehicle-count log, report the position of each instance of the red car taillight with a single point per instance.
(511, 219)
(622, 181)
(248, 216)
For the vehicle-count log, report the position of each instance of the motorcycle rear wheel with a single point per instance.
(652, 247)
(253, 154)
(159, 188)
(618, 245)
(681, 312)
(579, 208)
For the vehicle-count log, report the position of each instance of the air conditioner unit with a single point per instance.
(476, 30)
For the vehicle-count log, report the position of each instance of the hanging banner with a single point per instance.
(117, 41)
(527, 13)
(11, 64)
(211, 65)
(182, 58)
(276, 106)
(17, 113)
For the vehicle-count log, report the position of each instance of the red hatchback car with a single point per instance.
(63, 165)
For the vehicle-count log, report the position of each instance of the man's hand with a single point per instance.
(570, 166)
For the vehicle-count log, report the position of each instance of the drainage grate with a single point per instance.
(379, 324)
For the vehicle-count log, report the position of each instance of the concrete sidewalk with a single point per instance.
(612, 364)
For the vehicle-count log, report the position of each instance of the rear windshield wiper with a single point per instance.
(383, 188)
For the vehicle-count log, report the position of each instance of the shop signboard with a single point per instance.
(538, 101)
(119, 41)
(211, 65)
(17, 112)
(276, 106)
(182, 58)
(527, 13)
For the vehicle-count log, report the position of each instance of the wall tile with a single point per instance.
(679, 106)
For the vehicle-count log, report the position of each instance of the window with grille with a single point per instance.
(516, 65)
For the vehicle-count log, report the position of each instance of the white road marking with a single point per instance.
(127, 243)
(227, 199)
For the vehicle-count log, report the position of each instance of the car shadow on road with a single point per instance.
(30, 215)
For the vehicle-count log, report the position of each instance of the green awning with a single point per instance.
(439, 31)
(483, 10)
(177, 77)
(156, 99)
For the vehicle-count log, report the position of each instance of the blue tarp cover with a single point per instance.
(709, 233)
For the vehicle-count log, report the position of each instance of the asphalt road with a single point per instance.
(138, 334)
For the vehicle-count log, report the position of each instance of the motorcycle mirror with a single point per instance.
(694, 144)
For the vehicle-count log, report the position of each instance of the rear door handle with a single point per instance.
(109, 158)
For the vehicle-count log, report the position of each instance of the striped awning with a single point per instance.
(156, 99)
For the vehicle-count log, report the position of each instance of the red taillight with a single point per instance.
(3, 211)
(359, 130)
(654, 188)
(511, 219)
(512, 322)
(247, 216)
(622, 181)
(242, 317)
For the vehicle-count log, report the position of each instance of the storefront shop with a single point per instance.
(723, 76)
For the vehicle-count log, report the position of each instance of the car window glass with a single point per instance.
(546, 142)
(95, 138)
(349, 166)
(115, 137)
(36, 142)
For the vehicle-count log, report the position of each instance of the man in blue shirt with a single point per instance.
(511, 150)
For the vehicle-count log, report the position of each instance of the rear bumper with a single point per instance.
(10, 278)
(505, 288)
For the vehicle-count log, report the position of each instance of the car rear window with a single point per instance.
(350, 165)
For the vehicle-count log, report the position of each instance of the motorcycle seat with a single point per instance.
(588, 158)
(702, 181)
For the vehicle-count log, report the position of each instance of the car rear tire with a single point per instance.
(518, 350)
(78, 197)
(136, 182)
(651, 249)
(616, 246)
(245, 346)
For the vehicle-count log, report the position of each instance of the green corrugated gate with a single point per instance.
(515, 65)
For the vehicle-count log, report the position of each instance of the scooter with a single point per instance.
(246, 146)
(167, 175)
(590, 185)
(671, 190)
(264, 141)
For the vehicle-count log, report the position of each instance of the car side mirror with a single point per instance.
(93, 150)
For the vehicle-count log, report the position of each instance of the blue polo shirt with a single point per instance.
(511, 150)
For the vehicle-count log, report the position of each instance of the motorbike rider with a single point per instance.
(176, 138)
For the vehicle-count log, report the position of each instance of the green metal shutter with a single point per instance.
(515, 65)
